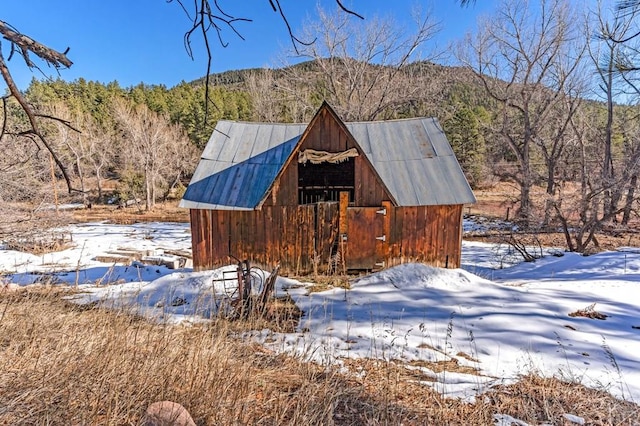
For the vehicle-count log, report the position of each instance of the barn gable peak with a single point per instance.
(328, 139)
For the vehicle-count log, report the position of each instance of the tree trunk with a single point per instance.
(629, 200)
(525, 188)
(147, 190)
(551, 189)
(99, 184)
(610, 201)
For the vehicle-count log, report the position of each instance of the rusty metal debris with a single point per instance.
(254, 290)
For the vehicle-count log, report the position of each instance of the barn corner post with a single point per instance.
(386, 253)
(460, 231)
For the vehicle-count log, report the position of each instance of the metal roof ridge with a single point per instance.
(267, 123)
(394, 120)
(262, 123)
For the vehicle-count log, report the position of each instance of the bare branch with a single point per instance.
(27, 44)
(4, 117)
(294, 39)
(26, 107)
(349, 11)
(207, 16)
(67, 123)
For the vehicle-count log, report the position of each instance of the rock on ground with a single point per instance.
(167, 413)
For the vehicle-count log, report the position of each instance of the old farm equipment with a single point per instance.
(249, 290)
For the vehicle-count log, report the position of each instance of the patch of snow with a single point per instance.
(506, 420)
(574, 419)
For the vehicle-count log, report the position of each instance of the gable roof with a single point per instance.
(412, 157)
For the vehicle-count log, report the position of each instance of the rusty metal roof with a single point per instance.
(412, 157)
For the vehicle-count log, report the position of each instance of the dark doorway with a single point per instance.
(324, 181)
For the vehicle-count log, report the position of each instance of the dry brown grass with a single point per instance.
(589, 312)
(321, 283)
(533, 399)
(537, 400)
(65, 364)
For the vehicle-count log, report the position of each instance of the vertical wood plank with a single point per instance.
(196, 244)
(206, 233)
(440, 235)
(214, 237)
(344, 205)
(260, 243)
(420, 232)
(283, 237)
(225, 222)
(326, 231)
(410, 233)
(298, 232)
(310, 239)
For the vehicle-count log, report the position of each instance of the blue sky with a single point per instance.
(133, 41)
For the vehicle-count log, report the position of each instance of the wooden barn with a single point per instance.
(328, 195)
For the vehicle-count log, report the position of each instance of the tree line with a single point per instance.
(145, 138)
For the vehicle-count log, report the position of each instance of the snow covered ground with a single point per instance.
(501, 321)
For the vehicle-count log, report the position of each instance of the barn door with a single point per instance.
(365, 238)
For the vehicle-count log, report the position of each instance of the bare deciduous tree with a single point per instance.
(90, 152)
(24, 177)
(26, 46)
(98, 143)
(205, 15)
(630, 125)
(152, 146)
(365, 71)
(262, 86)
(580, 203)
(519, 56)
(606, 55)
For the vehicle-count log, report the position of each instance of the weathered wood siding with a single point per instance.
(429, 234)
(303, 238)
(290, 236)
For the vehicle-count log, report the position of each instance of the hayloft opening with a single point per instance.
(325, 181)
